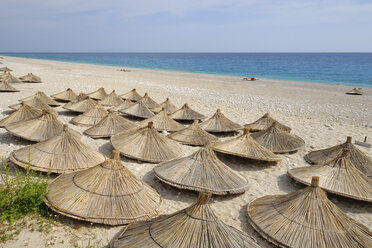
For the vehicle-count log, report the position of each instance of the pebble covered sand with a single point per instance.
(319, 113)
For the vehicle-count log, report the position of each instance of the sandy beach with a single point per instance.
(321, 114)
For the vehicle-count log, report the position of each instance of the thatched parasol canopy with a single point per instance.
(38, 129)
(91, 117)
(245, 146)
(339, 177)
(131, 95)
(3, 76)
(24, 113)
(67, 96)
(5, 69)
(79, 98)
(5, 87)
(11, 79)
(111, 100)
(146, 144)
(201, 171)
(278, 141)
(354, 91)
(168, 106)
(42, 97)
(218, 123)
(36, 103)
(107, 193)
(60, 154)
(124, 105)
(149, 102)
(306, 219)
(30, 78)
(98, 94)
(81, 106)
(194, 226)
(264, 123)
(358, 158)
(185, 113)
(162, 122)
(109, 125)
(193, 135)
(138, 109)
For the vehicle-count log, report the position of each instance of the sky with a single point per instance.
(186, 26)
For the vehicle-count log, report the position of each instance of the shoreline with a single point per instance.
(197, 73)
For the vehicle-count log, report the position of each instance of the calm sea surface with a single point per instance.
(334, 68)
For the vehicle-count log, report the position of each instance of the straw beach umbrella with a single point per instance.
(24, 113)
(339, 177)
(185, 113)
(124, 105)
(138, 109)
(79, 98)
(354, 91)
(66, 96)
(245, 146)
(107, 193)
(131, 95)
(38, 129)
(162, 122)
(201, 171)
(5, 69)
(278, 141)
(81, 106)
(60, 154)
(11, 79)
(193, 135)
(146, 144)
(194, 226)
(35, 103)
(111, 100)
(30, 78)
(149, 102)
(265, 122)
(91, 117)
(218, 123)
(98, 94)
(168, 106)
(111, 124)
(358, 158)
(42, 97)
(306, 219)
(5, 87)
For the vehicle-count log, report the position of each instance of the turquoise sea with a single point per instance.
(335, 68)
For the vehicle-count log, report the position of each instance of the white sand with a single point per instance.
(320, 113)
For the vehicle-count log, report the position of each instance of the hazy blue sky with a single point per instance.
(186, 25)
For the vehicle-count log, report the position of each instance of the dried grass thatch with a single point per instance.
(354, 91)
(60, 154)
(193, 135)
(306, 219)
(91, 117)
(162, 122)
(277, 140)
(11, 79)
(5, 69)
(5, 87)
(264, 123)
(146, 144)
(339, 177)
(201, 171)
(111, 100)
(124, 105)
(67, 96)
(185, 113)
(42, 97)
(81, 106)
(245, 146)
(358, 158)
(107, 193)
(30, 78)
(98, 94)
(149, 102)
(194, 226)
(24, 113)
(131, 95)
(35, 103)
(38, 129)
(218, 123)
(109, 125)
(167, 105)
(138, 109)
(79, 98)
